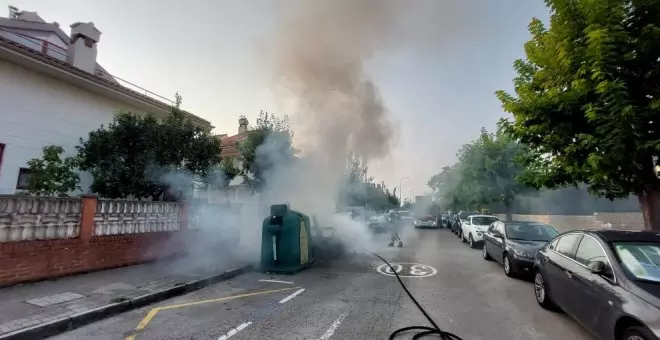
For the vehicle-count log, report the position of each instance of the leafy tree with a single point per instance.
(359, 189)
(445, 188)
(267, 148)
(186, 154)
(119, 157)
(52, 175)
(586, 99)
(141, 157)
(490, 167)
(487, 172)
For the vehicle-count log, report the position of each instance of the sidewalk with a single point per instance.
(37, 310)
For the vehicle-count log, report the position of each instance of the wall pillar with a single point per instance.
(183, 215)
(87, 217)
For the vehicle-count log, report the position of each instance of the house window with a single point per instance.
(23, 177)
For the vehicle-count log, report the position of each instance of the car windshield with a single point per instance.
(530, 232)
(465, 215)
(483, 220)
(641, 260)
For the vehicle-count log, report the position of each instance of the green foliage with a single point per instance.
(267, 148)
(139, 156)
(586, 97)
(360, 190)
(52, 175)
(487, 171)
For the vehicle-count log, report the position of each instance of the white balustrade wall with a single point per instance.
(24, 218)
(118, 217)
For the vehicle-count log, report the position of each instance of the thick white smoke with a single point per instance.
(318, 55)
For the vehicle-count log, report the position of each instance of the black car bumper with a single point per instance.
(522, 265)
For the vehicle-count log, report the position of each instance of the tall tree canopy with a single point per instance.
(139, 156)
(587, 99)
(359, 189)
(487, 172)
(268, 148)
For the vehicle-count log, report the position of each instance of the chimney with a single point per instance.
(13, 13)
(82, 47)
(242, 125)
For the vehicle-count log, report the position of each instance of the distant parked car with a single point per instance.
(378, 223)
(461, 217)
(607, 280)
(454, 223)
(428, 221)
(515, 243)
(474, 227)
(405, 217)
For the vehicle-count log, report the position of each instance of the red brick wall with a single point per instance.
(44, 259)
(35, 260)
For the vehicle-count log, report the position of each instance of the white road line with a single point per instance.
(292, 295)
(234, 331)
(277, 281)
(333, 327)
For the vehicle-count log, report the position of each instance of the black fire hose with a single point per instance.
(425, 330)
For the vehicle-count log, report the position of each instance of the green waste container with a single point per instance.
(286, 241)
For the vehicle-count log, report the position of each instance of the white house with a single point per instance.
(53, 92)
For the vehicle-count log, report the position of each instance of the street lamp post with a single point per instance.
(401, 192)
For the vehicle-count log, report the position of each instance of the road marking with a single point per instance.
(277, 281)
(234, 331)
(333, 327)
(407, 269)
(292, 295)
(152, 313)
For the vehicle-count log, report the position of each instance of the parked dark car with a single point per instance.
(607, 280)
(456, 224)
(515, 243)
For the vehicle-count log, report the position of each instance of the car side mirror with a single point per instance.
(597, 267)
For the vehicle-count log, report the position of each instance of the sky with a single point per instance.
(439, 91)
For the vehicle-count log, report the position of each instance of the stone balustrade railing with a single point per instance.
(24, 218)
(118, 217)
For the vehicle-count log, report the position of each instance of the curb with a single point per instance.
(59, 326)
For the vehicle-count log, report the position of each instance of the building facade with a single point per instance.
(237, 189)
(54, 92)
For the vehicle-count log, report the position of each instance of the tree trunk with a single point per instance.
(507, 210)
(649, 201)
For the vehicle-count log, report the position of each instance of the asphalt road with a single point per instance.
(352, 300)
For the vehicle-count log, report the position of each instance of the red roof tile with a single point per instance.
(229, 145)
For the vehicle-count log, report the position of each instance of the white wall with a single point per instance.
(36, 111)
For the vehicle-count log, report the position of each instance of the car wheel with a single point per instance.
(486, 255)
(508, 271)
(542, 293)
(472, 243)
(463, 237)
(636, 333)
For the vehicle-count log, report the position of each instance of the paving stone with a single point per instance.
(55, 299)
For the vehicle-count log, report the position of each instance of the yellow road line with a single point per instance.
(152, 313)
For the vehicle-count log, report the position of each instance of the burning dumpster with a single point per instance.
(286, 241)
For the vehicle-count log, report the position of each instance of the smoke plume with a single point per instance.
(319, 54)
(319, 57)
